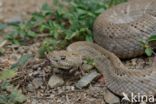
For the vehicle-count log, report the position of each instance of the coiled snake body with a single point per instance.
(120, 28)
(117, 32)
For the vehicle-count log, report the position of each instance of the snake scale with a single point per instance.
(117, 32)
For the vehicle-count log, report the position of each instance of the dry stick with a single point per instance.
(3, 43)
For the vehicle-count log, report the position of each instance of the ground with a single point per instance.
(61, 95)
(33, 78)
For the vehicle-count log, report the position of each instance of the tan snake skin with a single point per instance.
(118, 78)
(120, 28)
(117, 30)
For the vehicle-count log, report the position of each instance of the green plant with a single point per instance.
(7, 74)
(8, 93)
(50, 45)
(89, 61)
(114, 2)
(63, 24)
(146, 44)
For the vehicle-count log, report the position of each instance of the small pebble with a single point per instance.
(87, 67)
(30, 87)
(14, 19)
(55, 81)
(110, 98)
(85, 80)
(37, 82)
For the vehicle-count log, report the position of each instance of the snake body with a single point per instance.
(120, 29)
(117, 32)
(118, 78)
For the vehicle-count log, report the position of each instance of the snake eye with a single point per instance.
(63, 57)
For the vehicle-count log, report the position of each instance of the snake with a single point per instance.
(117, 32)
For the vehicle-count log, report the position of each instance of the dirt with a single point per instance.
(11, 8)
(33, 78)
(42, 94)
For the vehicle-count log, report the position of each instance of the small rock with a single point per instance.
(85, 80)
(34, 101)
(30, 87)
(37, 82)
(72, 88)
(55, 81)
(87, 67)
(15, 19)
(111, 98)
(134, 62)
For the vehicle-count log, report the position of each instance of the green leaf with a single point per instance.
(47, 46)
(5, 85)
(31, 34)
(99, 10)
(152, 38)
(89, 61)
(81, 11)
(70, 36)
(17, 96)
(22, 61)
(3, 99)
(89, 38)
(148, 51)
(46, 9)
(7, 74)
(14, 96)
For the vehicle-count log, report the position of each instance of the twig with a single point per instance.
(3, 43)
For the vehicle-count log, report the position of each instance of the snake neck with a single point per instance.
(118, 77)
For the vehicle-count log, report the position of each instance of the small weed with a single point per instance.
(146, 44)
(64, 24)
(114, 2)
(89, 61)
(8, 93)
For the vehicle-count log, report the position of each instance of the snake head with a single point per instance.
(64, 59)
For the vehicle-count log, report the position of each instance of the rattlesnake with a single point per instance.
(118, 31)
(121, 28)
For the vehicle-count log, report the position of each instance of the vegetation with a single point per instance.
(146, 44)
(61, 26)
(10, 94)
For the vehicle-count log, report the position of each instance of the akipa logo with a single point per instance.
(134, 98)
